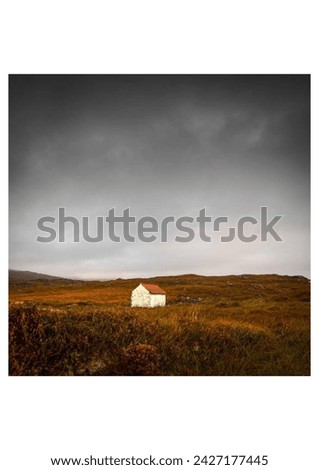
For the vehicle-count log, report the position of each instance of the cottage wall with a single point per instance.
(158, 300)
(140, 297)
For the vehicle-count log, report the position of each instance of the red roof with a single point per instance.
(153, 289)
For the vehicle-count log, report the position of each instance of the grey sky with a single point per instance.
(161, 145)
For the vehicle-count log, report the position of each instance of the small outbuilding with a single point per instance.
(148, 295)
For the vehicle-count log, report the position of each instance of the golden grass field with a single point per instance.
(221, 326)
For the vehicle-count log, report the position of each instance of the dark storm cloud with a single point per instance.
(160, 145)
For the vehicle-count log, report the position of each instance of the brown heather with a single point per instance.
(230, 325)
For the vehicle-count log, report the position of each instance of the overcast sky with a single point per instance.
(160, 145)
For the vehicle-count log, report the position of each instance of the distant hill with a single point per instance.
(23, 276)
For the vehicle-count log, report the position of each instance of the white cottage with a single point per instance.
(148, 295)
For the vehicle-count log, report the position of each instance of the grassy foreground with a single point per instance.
(230, 325)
